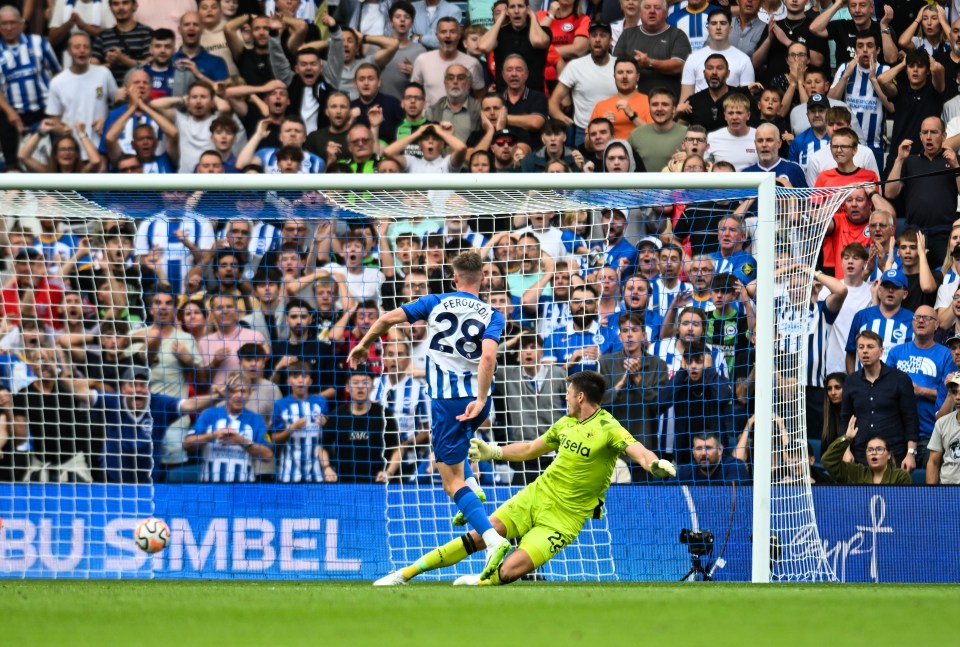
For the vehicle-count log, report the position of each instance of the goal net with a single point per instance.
(176, 347)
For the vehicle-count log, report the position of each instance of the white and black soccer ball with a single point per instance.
(151, 535)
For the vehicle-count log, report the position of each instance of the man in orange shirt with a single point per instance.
(851, 224)
(843, 146)
(628, 108)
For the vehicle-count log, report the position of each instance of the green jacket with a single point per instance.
(855, 473)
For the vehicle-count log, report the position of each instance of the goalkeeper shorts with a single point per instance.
(544, 527)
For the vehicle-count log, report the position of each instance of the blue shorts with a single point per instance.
(451, 437)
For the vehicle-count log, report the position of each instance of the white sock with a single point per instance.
(472, 483)
(492, 539)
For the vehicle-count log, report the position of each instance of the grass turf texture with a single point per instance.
(228, 614)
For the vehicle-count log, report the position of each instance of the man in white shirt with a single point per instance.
(718, 42)
(82, 93)
(586, 80)
(429, 69)
(735, 143)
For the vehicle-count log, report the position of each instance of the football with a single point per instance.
(151, 535)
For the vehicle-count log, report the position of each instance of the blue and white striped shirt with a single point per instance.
(457, 324)
(863, 102)
(662, 297)
(797, 322)
(298, 461)
(895, 330)
(229, 463)
(694, 25)
(311, 163)
(25, 72)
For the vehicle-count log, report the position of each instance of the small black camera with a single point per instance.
(955, 252)
(698, 543)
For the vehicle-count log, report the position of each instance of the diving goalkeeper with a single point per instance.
(548, 514)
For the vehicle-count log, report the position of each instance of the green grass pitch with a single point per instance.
(287, 614)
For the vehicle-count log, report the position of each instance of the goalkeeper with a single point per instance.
(548, 514)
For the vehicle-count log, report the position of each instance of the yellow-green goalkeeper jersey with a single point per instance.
(587, 452)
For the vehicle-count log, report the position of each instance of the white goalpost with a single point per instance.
(780, 531)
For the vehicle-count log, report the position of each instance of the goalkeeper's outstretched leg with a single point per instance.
(449, 554)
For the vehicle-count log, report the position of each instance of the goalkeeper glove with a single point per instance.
(662, 469)
(481, 451)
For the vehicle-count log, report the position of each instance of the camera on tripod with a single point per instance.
(698, 543)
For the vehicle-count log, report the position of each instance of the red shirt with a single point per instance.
(564, 31)
(47, 297)
(836, 178)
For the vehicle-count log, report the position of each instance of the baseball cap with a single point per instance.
(954, 378)
(817, 100)
(600, 24)
(135, 373)
(505, 133)
(894, 276)
(28, 254)
(951, 340)
(650, 240)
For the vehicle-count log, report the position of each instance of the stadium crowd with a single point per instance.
(205, 339)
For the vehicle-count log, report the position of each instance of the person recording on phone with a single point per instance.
(579, 344)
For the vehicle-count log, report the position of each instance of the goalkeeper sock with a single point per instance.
(446, 555)
(472, 508)
(468, 476)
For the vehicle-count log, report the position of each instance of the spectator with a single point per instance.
(66, 156)
(432, 140)
(212, 37)
(881, 399)
(175, 236)
(736, 142)
(846, 32)
(718, 42)
(551, 312)
(883, 249)
(933, 37)
(916, 95)
(585, 81)
(414, 108)
(705, 107)
(521, 35)
(202, 108)
(457, 106)
(219, 350)
(230, 438)
(580, 344)
(352, 43)
(526, 106)
(710, 466)
(888, 320)
(777, 39)
(944, 446)
(205, 66)
(922, 281)
(292, 134)
(396, 73)
(659, 49)
(768, 141)
(534, 393)
(126, 44)
(366, 442)
(60, 447)
(430, 69)
(928, 364)
(617, 251)
(26, 68)
(504, 148)
(404, 398)
(930, 199)
(853, 259)
(837, 117)
(832, 398)
(252, 64)
(858, 83)
(878, 469)
(31, 284)
(82, 93)
(731, 258)
(807, 142)
(330, 142)
(635, 377)
(367, 81)
(297, 430)
(700, 398)
(628, 108)
(848, 226)
(302, 345)
(165, 78)
(69, 18)
(657, 141)
(552, 136)
(171, 352)
(427, 15)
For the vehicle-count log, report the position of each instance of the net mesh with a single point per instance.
(242, 306)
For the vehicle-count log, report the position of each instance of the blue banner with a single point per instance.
(869, 534)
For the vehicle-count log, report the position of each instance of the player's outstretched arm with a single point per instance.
(379, 328)
(648, 460)
(514, 452)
